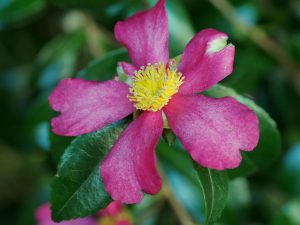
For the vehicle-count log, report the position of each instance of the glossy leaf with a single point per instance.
(214, 186)
(269, 144)
(77, 189)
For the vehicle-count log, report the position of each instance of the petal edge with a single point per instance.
(145, 35)
(87, 106)
(130, 166)
(213, 131)
(204, 65)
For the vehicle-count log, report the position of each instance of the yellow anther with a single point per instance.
(153, 86)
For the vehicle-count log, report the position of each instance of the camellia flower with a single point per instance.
(113, 214)
(43, 217)
(213, 131)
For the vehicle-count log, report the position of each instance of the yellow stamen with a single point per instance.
(115, 219)
(153, 86)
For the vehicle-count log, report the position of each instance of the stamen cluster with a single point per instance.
(153, 86)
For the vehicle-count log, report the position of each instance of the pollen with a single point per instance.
(153, 86)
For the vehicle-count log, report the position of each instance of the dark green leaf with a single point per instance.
(269, 142)
(104, 68)
(78, 190)
(241, 81)
(169, 136)
(214, 186)
(11, 11)
(171, 155)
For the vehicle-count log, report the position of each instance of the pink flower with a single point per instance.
(43, 217)
(213, 131)
(112, 209)
(114, 214)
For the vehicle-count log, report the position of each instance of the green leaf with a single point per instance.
(168, 136)
(170, 155)
(77, 190)
(11, 11)
(214, 186)
(241, 81)
(104, 68)
(183, 179)
(269, 144)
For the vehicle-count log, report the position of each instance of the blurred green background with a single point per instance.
(44, 41)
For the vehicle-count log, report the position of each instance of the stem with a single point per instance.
(183, 216)
(260, 38)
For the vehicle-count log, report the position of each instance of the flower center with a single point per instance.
(153, 86)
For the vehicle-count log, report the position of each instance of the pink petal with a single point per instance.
(86, 106)
(112, 209)
(130, 166)
(128, 68)
(213, 130)
(43, 217)
(145, 35)
(201, 67)
(43, 212)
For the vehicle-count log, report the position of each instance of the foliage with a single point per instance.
(44, 41)
(77, 189)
